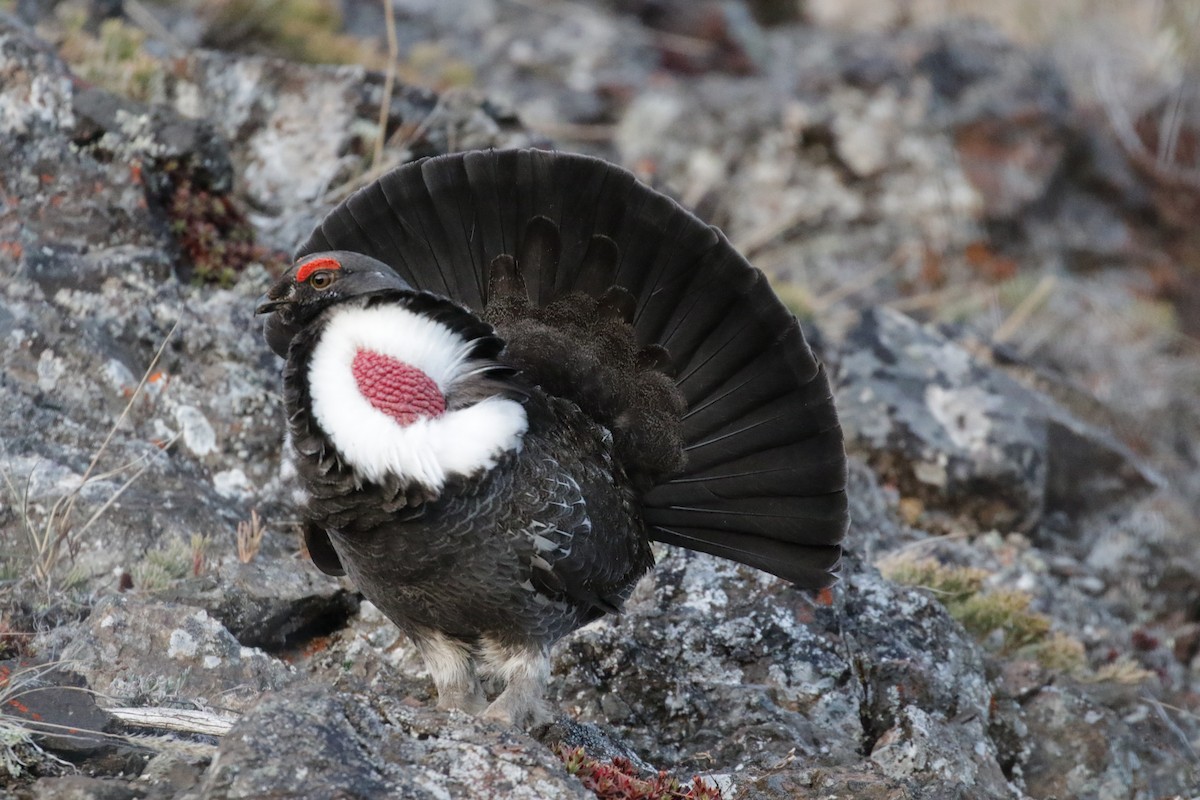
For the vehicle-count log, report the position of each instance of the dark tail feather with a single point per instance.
(505, 281)
(538, 258)
(765, 477)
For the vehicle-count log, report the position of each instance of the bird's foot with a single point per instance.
(472, 700)
(519, 710)
(525, 673)
(453, 671)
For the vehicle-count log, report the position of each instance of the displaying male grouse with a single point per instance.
(508, 372)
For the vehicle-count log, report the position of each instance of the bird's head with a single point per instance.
(403, 383)
(315, 283)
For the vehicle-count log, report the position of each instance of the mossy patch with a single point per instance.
(168, 564)
(1001, 619)
(115, 59)
(299, 30)
(431, 65)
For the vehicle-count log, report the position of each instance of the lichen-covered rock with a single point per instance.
(1106, 757)
(142, 652)
(81, 787)
(963, 437)
(301, 135)
(270, 604)
(1008, 113)
(717, 664)
(347, 743)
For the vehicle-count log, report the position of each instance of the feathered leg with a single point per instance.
(452, 668)
(524, 671)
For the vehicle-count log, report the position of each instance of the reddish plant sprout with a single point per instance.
(619, 780)
(214, 235)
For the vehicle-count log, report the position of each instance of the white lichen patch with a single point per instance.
(44, 101)
(232, 483)
(181, 645)
(119, 377)
(965, 414)
(198, 433)
(49, 369)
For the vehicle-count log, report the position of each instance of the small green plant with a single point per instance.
(168, 564)
(1006, 611)
(619, 780)
(431, 65)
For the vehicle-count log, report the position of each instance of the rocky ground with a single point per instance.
(1007, 295)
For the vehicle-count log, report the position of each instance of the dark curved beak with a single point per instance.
(266, 305)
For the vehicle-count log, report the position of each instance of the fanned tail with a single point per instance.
(765, 473)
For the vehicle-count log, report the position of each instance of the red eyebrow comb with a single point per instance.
(314, 265)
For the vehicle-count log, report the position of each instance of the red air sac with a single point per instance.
(397, 389)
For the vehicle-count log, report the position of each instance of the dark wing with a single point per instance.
(765, 477)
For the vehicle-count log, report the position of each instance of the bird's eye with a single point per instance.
(321, 279)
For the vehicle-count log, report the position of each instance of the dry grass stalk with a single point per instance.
(389, 82)
(249, 537)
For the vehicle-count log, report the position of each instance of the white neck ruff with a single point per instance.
(461, 442)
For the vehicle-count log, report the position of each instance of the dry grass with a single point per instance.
(52, 541)
(19, 749)
(249, 537)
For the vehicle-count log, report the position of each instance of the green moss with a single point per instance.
(999, 618)
(951, 584)
(1060, 653)
(430, 64)
(163, 566)
(796, 297)
(1005, 612)
(300, 30)
(115, 59)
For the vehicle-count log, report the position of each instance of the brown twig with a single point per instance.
(389, 82)
(1025, 309)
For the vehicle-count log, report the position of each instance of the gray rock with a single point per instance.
(346, 743)
(714, 664)
(270, 604)
(144, 652)
(1107, 757)
(1008, 112)
(789, 782)
(128, 131)
(298, 133)
(57, 706)
(966, 439)
(81, 787)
